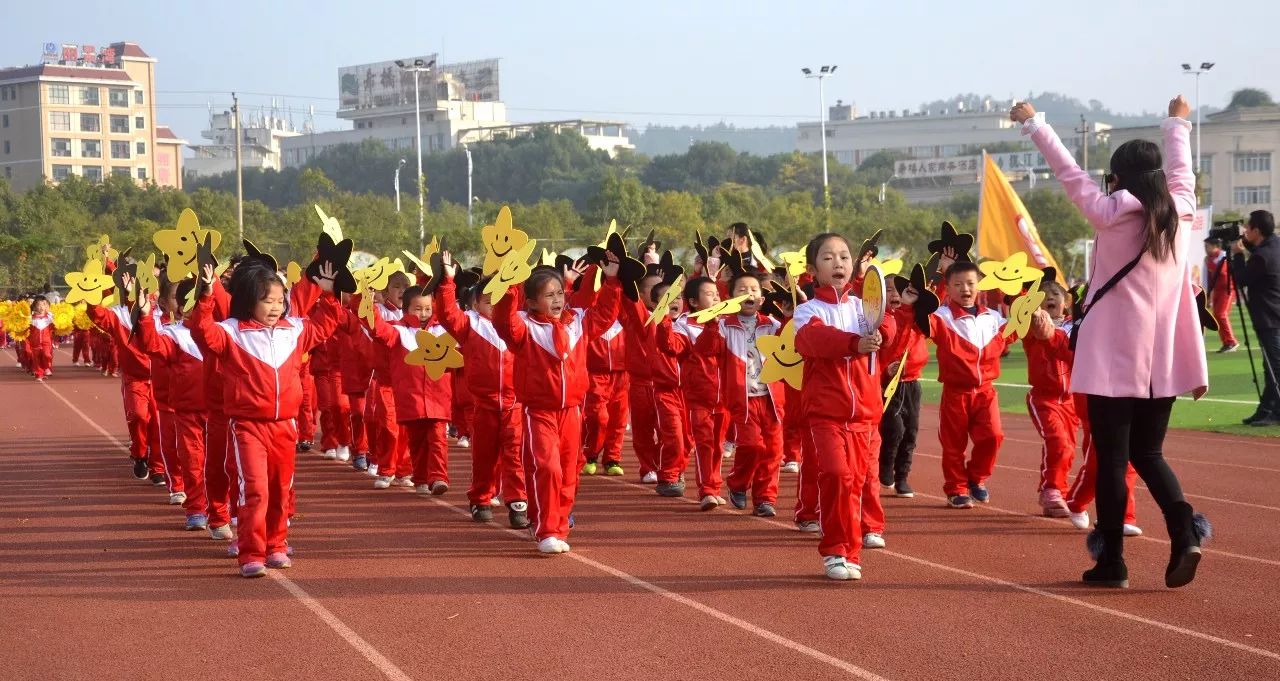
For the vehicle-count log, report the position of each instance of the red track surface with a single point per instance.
(100, 581)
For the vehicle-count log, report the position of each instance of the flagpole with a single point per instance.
(977, 228)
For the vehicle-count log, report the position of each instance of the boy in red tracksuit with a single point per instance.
(174, 351)
(40, 339)
(356, 372)
(841, 399)
(755, 409)
(389, 441)
(549, 340)
(166, 422)
(668, 400)
(700, 381)
(645, 438)
(79, 347)
(969, 341)
(335, 408)
(219, 459)
(607, 407)
(261, 352)
(498, 429)
(423, 405)
(901, 423)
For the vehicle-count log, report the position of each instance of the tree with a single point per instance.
(1250, 96)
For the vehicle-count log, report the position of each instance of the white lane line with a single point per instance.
(1029, 589)
(388, 668)
(742, 624)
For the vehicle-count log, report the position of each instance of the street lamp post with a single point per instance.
(821, 75)
(419, 66)
(398, 167)
(467, 150)
(1187, 70)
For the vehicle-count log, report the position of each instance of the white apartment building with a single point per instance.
(260, 147)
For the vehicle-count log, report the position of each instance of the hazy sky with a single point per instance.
(677, 61)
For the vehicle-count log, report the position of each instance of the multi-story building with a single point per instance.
(86, 112)
(260, 146)
(1236, 154)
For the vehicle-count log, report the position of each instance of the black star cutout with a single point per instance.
(962, 243)
(266, 259)
(337, 255)
(926, 301)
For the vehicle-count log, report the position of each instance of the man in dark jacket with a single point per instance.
(1259, 278)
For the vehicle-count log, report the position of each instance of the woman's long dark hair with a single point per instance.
(1138, 167)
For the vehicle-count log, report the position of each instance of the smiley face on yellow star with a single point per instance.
(437, 354)
(781, 361)
(1007, 275)
(181, 243)
(500, 239)
(720, 309)
(89, 284)
(514, 269)
(1020, 312)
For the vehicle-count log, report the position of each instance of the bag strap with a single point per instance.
(1115, 279)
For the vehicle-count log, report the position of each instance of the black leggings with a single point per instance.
(1128, 430)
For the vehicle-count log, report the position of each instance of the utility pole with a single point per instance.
(1084, 143)
(235, 123)
(821, 75)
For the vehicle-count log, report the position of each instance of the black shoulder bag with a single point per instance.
(1111, 283)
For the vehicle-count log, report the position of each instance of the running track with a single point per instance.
(100, 582)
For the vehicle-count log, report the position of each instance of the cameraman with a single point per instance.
(1259, 279)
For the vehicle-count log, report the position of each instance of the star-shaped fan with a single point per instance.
(663, 306)
(1021, 311)
(336, 254)
(781, 360)
(926, 302)
(706, 248)
(94, 250)
(665, 268)
(720, 309)
(1050, 274)
(514, 269)
(89, 284)
(437, 354)
(735, 261)
(181, 244)
(1207, 319)
(630, 270)
(961, 243)
(931, 268)
(123, 267)
(329, 225)
(252, 253)
(777, 300)
(758, 249)
(870, 247)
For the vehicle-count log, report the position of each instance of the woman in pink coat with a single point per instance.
(1139, 344)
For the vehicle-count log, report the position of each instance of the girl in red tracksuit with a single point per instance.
(497, 418)
(395, 467)
(755, 409)
(356, 371)
(841, 399)
(901, 423)
(645, 438)
(549, 340)
(261, 352)
(40, 339)
(422, 405)
(219, 459)
(166, 422)
(700, 385)
(335, 408)
(668, 400)
(79, 346)
(173, 349)
(607, 407)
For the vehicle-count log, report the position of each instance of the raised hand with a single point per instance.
(450, 267)
(574, 271)
(1022, 112)
(1179, 108)
(1041, 325)
(651, 256)
(327, 275)
(611, 267)
(946, 259)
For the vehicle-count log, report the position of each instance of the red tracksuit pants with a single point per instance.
(759, 453)
(219, 471)
(307, 411)
(167, 445)
(844, 453)
(144, 423)
(1222, 303)
(705, 426)
(393, 451)
(644, 426)
(807, 481)
(356, 423)
(41, 361)
(79, 346)
(1084, 489)
(605, 414)
(428, 443)
(551, 445)
(966, 414)
(189, 437)
(335, 411)
(673, 451)
(793, 428)
(496, 466)
(1056, 422)
(872, 511)
(264, 452)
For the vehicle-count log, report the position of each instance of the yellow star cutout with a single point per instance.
(328, 224)
(514, 269)
(180, 244)
(1020, 312)
(1007, 275)
(437, 354)
(500, 239)
(664, 303)
(720, 309)
(94, 250)
(781, 361)
(89, 284)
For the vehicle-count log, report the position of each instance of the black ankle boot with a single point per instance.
(1107, 548)
(1187, 529)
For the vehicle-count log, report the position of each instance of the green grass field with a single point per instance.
(1229, 380)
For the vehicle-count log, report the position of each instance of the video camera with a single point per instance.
(1226, 231)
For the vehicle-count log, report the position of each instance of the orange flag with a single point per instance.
(1004, 225)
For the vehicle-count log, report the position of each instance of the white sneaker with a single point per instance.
(872, 540)
(382, 482)
(1132, 530)
(464, 442)
(649, 478)
(809, 526)
(372, 470)
(564, 546)
(791, 467)
(840, 569)
(495, 501)
(1080, 520)
(330, 454)
(552, 545)
(344, 453)
(220, 532)
(177, 498)
(404, 481)
(728, 449)
(423, 490)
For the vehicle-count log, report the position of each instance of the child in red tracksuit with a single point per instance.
(79, 346)
(219, 459)
(261, 352)
(40, 339)
(607, 407)
(969, 341)
(901, 423)
(755, 409)
(395, 466)
(841, 399)
(497, 418)
(700, 382)
(335, 408)
(174, 350)
(645, 438)
(356, 372)
(668, 399)
(166, 422)
(549, 340)
(423, 405)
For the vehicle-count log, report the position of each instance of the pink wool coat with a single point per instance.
(1143, 339)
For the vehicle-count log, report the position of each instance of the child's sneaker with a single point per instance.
(764, 510)
(959, 501)
(708, 503)
(254, 569)
(360, 463)
(140, 469)
(791, 467)
(902, 489)
(464, 442)
(979, 492)
(589, 468)
(233, 549)
(495, 501)
(518, 515)
(1132, 530)
(1080, 520)
(674, 488)
(481, 513)
(344, 453)
(220, 532)
(198, 521)
(279, 561)
(564, 546)
(808, 526)
(727, 450)
(840, 569)
(404, 481)
(551, 545)
(157, 479)
(306, 446)
(649, 478)
(330, 454)
(439, 487)
(1053, 504)
(872, 540)
(383, 482)
(372, 469)
(738, 499)
(614, 469)
(177, 498)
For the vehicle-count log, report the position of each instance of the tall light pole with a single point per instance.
(467, 150)
(821, 75)
(235, 123)
(1187, 70)
(419, 66)
(398, 167)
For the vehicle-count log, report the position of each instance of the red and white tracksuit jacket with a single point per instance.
(551, 382)
(756, 421)
(135, 384)
(219, 462)
(357, 380)
(843, 403)
(700, 382)
(607, 408)
(668, 401)
(423, 405)
(173, 347)
(166, 425)
(388, 441)
(40, 344)
(497, 418)
(262, 391)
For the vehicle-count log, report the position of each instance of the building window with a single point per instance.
(119, 149)
(1206, 166)
(89, 96)
(90, 123)
(90, 148)
(1253, 162)
(117, 171)
(6, 146)
(61, 173)
(60, 120)
(92, 173)
(1252, 196)
(142, 173)
(139, 123)
(59, 94)
(1206, 197)
(140, 149)
(8, 172)
(119, 123)
(118, 96)
(60, 146)
(6, 120)
(137, 97)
